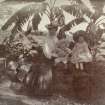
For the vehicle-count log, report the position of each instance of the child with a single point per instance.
(62, 51)
(81, 53)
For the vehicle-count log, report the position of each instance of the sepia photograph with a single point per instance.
(52, 52)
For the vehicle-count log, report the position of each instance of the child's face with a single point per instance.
(81, 39)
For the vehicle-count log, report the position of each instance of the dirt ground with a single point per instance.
(10, 96)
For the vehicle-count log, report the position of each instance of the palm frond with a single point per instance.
(70, 25)
(23, 0)
(75, 1)
(91, 8)
(77, 10)
(86, 3)
(98, 5)
(73, 23)
(58, 16)
(89, 5)
(21, 16)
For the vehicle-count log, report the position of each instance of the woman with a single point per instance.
(50, 42)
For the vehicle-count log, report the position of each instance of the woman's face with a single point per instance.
(81, 39)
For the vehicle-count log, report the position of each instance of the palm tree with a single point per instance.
(83, 11)
(30, 16)
(23, 15)
(90, 10)
(32, 11)
(79, 8)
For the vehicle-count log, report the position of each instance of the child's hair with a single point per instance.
(79, 34)
(61, 35)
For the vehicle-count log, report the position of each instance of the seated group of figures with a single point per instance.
(36, 68)
(64, 49)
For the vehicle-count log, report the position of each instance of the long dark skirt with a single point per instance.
(39, 79)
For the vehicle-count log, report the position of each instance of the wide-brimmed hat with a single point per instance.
(82, 33)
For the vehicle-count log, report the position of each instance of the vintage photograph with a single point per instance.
(52, 52)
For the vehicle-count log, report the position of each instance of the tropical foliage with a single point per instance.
(83, 11)
(92, 14)
(21, 41)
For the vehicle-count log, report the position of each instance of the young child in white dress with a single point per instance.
(62, 51)
(81, 53)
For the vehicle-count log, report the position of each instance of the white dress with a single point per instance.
(81, 53)
(50, 46)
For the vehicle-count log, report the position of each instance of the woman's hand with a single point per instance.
(69, 51)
